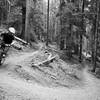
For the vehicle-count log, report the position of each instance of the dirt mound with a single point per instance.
(55, 73)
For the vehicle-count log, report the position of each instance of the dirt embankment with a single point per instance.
(54, 81)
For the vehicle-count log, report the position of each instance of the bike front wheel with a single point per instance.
(2, 58)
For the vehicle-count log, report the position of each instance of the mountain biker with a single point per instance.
(7, 37)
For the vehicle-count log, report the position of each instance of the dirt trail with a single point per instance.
(16, 89)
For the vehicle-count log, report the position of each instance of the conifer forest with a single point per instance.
(54, 52)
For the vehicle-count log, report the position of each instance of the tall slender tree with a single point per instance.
(96, 36)
(80, 53)
(48, 22)
(26, 36)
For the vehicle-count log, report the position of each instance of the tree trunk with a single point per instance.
(69, 44)
(0, 16)
(47, 23)
(60, 39)
(81, 37)
(96, 37)
(93, 40)
(29, 32)
(26, 36)
(23, 21)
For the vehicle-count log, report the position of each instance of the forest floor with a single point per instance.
(24, 76)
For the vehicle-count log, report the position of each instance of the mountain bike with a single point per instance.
(3, 53)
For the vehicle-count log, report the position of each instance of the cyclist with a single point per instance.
(6, 39)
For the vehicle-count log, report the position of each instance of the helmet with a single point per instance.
(12, 30)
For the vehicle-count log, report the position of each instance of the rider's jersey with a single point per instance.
(7, 38)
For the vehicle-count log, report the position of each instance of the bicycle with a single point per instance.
(3, 52)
